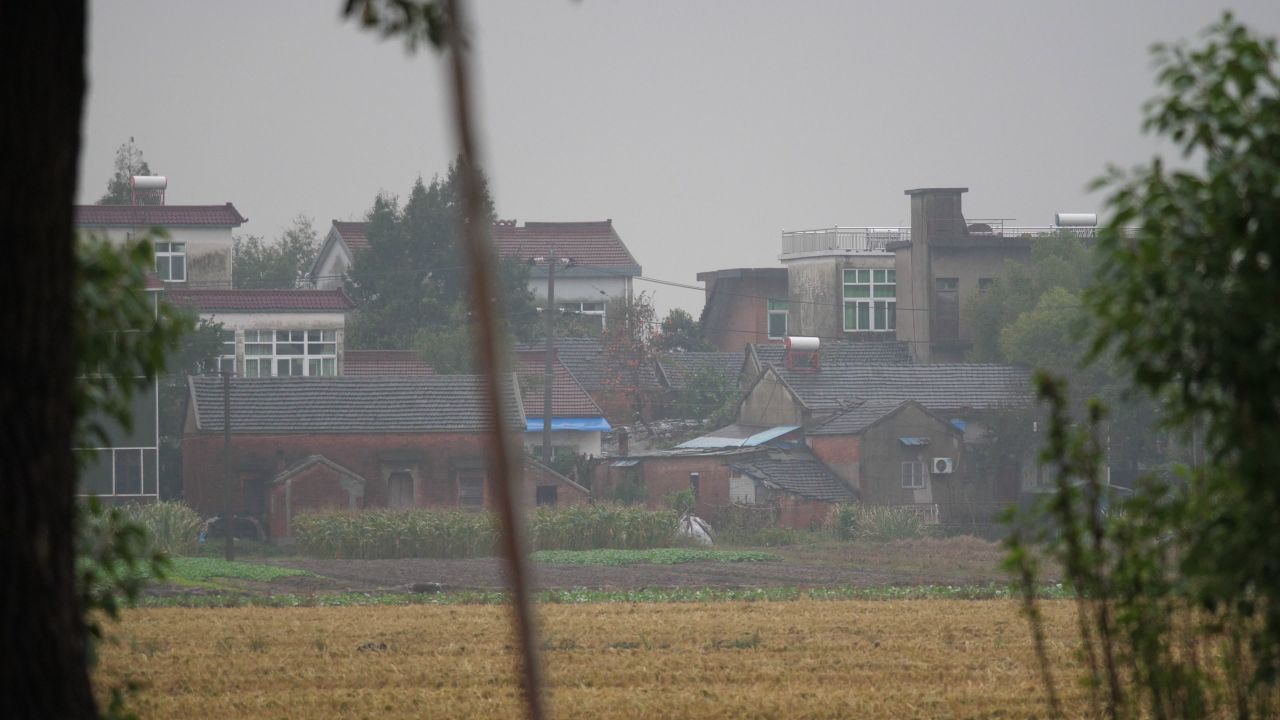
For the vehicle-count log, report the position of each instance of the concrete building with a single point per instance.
(601, 267)
(341, 244)
(577, 422)
(744, 306)
(274, 333)
(841, 282)
(197, 250)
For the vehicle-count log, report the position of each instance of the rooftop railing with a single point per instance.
(851, 240)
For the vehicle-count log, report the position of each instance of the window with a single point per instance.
(284, 353)
(588, 311)
(946, 310)
(984, 284)
(471, 489)
(913, 474)
(547, 494)
(227, 361)
(870, 300)
(695, 482)
(777, 319)
(400, 489)
(171, 261)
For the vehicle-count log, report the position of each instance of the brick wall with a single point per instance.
(258, 458)
(841, 453)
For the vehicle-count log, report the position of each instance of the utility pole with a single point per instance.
(549, 372)
(226, 464)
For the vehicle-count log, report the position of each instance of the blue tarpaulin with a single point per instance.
(914, 441)
(585, 424)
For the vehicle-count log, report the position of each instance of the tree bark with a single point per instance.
(43, 671)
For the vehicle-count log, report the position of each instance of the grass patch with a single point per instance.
(203, 569)
(660, 556)
(585, 596)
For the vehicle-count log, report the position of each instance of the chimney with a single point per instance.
(624, 442)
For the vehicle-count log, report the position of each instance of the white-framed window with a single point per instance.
(171, 261)
(285, 353)
(591, 310)
(777, 319)
(870, 300)
(913, 476)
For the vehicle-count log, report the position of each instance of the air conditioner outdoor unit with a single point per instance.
(943, 466)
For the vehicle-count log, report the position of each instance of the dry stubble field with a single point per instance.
(852, 659)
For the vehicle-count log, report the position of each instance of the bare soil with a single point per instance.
(963, 560)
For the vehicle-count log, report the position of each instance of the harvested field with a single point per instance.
(804, 658)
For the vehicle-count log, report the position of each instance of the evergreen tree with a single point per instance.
(129, 162)
(410, 285)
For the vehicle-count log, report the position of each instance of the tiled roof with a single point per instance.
(384, 362)
(676, 369)
(587, 243)
(243, 301)
(842, 353)
(583, 356)
(352, 233)
(858, 418)
(936, 387)
(161, 215)
(799, 474)
(568, 397)
(347, 405)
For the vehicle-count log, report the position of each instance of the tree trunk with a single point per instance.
(42, 658)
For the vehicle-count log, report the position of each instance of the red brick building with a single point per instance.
(301, 444)
(744, 306)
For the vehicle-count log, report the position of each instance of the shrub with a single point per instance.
(172, 528)
(881, 523)
(416, 533)
(682, 501)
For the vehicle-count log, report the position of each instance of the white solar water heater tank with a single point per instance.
(149, 182)
(1075, 219)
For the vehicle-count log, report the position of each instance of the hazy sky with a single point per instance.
(701, 128)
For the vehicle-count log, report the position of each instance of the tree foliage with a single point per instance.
(628, 353)
(680, 332)
(410, 284)
(129, 162)
(1180, 591)
(281, 265)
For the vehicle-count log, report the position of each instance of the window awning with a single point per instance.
(914, 441)
(582, 424)
(624, 463)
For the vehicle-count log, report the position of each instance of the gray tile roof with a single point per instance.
(857, 418)
(843, 353)
(676, 369)
(939, 388)
(585, 357)
(349, 404)
(799, 474)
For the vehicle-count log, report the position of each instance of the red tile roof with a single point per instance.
(568, 399)
(240, 301)
(161, 215)
(588, 243)
(352, 233)
(384, 362)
